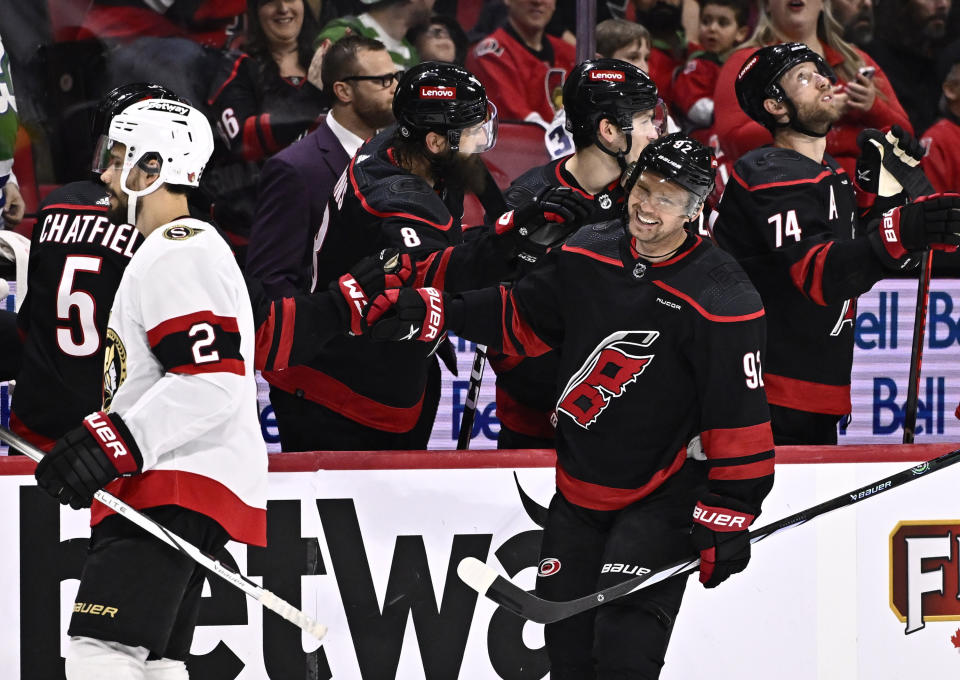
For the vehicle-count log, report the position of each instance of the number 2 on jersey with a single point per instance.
(69, 298)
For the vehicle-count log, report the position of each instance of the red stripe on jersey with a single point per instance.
(182, 324)
(598, 497)
(790, 183)
(222, 366)
(502, 363)
(252, 147)
(532, 344)
(591, 254)
(195, 492)
(762, 468)
(72, 206)
(803, 395)
(424, 266)
(233, 74)
(564, 182)
(285, 343)
(38, 440)
(734, 442)
(336, 396)
(264, 120)
(816, 258)
(264, 339)
(703, 312)
(521, 418)
(679, 256)
(378, 213)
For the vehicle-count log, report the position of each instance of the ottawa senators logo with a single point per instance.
(114, 367)
(612, 365)
(180, 232)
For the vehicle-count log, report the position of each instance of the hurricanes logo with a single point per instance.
(548, 566)
(180, 232)
(114, 367)
(611, 367)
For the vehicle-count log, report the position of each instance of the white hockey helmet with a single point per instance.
(172, 133)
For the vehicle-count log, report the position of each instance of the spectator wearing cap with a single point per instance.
(440, 39)
(910, 36)
(942, 140)
(296, 183)
(521, 66)
(385, 20)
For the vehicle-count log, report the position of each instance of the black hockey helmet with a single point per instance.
(121, 97)
(759, 80)
(438, 97)
(678, 159)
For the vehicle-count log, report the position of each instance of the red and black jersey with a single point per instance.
(526, 385)
(651, 356)
(377, 204)
(792, 224)
(77, 257)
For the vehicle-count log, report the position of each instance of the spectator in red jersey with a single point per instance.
(261, 102)
(942, 162)
(663, 18)
(724, 24)
(624, 40)
(871, 103)
(203, 21)
(521, 67)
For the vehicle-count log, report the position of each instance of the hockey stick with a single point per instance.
(234, 578)
(511, 597)
(473, 394)
(916, 349)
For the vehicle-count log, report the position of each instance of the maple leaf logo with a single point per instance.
(955, 638)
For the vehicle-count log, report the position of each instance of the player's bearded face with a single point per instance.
(459, 171)
(818, 102)
(117, 212)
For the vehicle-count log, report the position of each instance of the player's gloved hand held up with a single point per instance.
(887, 161)
(929, 222)
(386, 269)
(406, 314)
(88, 458)
(720, 534)
(546, 221)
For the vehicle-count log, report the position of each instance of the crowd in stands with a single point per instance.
(292, 88)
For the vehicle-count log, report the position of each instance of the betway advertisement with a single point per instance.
(868, 592)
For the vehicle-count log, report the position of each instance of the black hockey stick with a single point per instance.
(262, 595)
(511, 597)
(473, 394)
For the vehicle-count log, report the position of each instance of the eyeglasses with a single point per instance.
(438, 32)
(385, 80)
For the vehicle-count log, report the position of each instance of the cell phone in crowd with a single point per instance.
(867, 71)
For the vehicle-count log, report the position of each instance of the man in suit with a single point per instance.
(360, 79)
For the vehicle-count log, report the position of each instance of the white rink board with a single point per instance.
(814, 604)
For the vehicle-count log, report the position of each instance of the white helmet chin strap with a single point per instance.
(133, 195)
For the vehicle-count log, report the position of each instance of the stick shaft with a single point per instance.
(473, 395)
(916, 350)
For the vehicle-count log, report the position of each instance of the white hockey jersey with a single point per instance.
(179, 371)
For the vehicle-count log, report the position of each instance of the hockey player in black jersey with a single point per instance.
(663, 436)
(404, 189)
(789, 216)
(613, 112)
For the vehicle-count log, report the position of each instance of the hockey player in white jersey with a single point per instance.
(178, 436)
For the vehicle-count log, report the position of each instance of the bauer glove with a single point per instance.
(544, 222)
(890, 162)
(406, 314)
(369, 276)
(929, 222)
(88, 458)
(720, 535)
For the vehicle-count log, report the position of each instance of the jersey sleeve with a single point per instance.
(780, 227)
(734, 415)
(191, 313)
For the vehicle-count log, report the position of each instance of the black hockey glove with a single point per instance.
(88, 458)
(929, 222)
(546, 221)
(890, 163)
(406, 314)
(386, 269)
(720, 534)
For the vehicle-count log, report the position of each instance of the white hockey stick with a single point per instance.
(234, 578)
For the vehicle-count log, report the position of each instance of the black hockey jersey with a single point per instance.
(792, 224)
(375, 205)
(526, 385)
(77, 257)
(651, 356)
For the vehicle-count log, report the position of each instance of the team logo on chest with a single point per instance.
(114, 367)
(605, 201)
(639, 270)
(613, 365)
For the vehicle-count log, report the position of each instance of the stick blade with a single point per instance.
(476, 574)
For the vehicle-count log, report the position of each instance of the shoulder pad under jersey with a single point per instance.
(385, 190)
(770, 164)
(525, 187)
(718, 284)
(602, 238)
